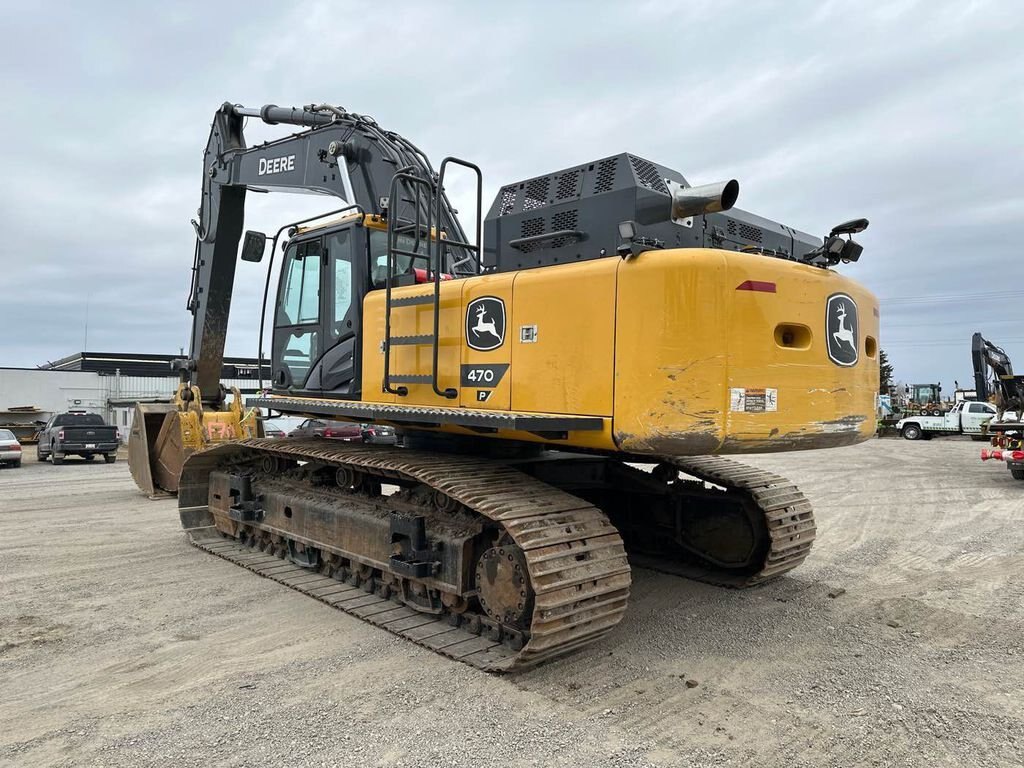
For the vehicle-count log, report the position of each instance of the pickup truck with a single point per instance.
(965, 418)
(77, 433)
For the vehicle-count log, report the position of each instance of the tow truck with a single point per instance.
(964, 418)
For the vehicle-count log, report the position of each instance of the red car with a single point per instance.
(340, 430)
(345, 431)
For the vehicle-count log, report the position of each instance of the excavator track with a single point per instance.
(786, 514)
(573, 556)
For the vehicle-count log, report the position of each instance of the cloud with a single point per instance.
(908, 113)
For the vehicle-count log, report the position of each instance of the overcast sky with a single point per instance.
(908, 113)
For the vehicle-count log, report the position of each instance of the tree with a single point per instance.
(884, 372)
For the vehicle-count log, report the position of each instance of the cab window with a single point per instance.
(339, 251)
(298, 311)
(403, 263)
(300, 298)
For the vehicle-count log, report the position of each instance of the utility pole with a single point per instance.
(85, 342)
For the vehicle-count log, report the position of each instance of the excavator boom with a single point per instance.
(319, 161)
(995, 380)
(347, 156)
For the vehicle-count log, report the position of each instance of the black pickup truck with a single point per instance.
(77, 433)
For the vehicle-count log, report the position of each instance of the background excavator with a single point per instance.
(995, 381)
(603, 315)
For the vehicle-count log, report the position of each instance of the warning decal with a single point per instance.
(744, 400)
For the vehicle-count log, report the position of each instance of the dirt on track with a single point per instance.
(121, 645)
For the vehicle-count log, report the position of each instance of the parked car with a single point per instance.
(270, 429)
(10, 449)
(339, 430)
(378, 434)
(345, 431)
(77, 433)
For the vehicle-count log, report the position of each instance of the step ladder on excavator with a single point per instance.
(432, 241)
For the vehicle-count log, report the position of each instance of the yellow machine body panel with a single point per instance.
(489, 368)
(418, 320)
(569, 367)
(681, 352)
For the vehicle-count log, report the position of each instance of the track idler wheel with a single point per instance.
(503, 585)
(303, 556)
(349, 479)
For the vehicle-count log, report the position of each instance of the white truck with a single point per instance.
(964, 418)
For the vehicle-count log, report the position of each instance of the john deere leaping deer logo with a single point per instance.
(844, 335)
(485, 323)
(842, 329)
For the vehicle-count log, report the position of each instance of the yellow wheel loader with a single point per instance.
(600, 318)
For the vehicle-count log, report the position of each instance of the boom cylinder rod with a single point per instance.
(273, 114)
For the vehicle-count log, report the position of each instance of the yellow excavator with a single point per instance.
(600, 318)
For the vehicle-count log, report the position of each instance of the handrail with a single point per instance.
(440, 245)
(414, 182)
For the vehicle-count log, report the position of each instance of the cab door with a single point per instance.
(338, 372)
(318, 318)
(298, 338)
(975, 415)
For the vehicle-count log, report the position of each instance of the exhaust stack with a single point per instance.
(707, 198)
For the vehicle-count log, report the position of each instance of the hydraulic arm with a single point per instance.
(347, 156)
(993, 375)
(1007, 391)
(340, 154)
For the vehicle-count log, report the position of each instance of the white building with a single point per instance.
(105, 383)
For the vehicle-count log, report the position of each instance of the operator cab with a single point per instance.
(326, 273)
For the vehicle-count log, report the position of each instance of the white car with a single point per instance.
(10, 449)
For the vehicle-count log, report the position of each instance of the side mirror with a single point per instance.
(851, 251)
(253, 246)
(850, 227)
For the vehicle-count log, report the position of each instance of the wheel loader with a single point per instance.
(567, 378)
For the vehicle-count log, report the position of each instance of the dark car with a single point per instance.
(378, 434)
(10, 449)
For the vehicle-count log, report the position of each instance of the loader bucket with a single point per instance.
(155, 449)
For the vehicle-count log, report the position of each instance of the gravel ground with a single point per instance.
(121, 645)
